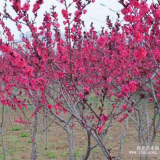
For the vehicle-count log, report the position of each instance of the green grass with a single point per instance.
(30, 107)
(151, 117)
(24, 134)
(16, 128)
(94, 150)
(51, 155)
(29, 141)
(107, 138)
(1, 157)
(126, 140)
(13, 139)
(11, 151)
(77, 153)
(64, 154)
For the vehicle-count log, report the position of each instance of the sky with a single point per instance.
(96, 13)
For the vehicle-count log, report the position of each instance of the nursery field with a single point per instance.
(18, 142)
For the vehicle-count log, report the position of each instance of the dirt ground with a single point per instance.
(18, 142)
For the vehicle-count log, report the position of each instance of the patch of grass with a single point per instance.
(64, 154)
(49, 146)
(77, 153)
(20, 150)
(29, 141)
(16, 128)
(30, 107)
(91, 99)
(1, 157)
(13, 139)
(51, 155)
(109, 147)
(151, 117)
(24, 134)
(94, 150)
(107, 138)
(11, 151)
(126, 140)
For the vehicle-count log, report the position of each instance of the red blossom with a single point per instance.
(36, 6)
(158, 95)
(82, 70)
(85, 11)
(49, 106)
(104, 118)
(19, 27)
(57, 106)
(5, 48)
(17, 5)
(124, 115)
(151, 99)
(138, 36)
(100, 129)
(26, 7)
(133, 86)
(124, 107)
(81, 95)
(65, 13)
(101, 40)
(140, 54)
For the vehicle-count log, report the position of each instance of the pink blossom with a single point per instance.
(120, 120)
(158, 95)
(109, 80)
(129, 18)
(5, 48)
(65, 13)
(26, 7)
(132, 110)
(36, 6)
(81, 95)
(151, 99)
(104, 118)
(124, 115)
(100, 129)
(124, 107)
(138, 36)
(64, 110)
(101, 40)
(143, 9)
(85, 11)
(57, 106)
(19, 27)
(82, 70)
(86, 89)
(140, 54)
(125, 89)
(4, 101)
(29, 70)
(133, 86)
(49, 106)
(59, 74)
(135, 3)
(55, 15)
(17, 5)
(124, 11)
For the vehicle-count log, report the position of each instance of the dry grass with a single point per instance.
(18, 143)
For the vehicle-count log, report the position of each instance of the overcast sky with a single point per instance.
(95, 13)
